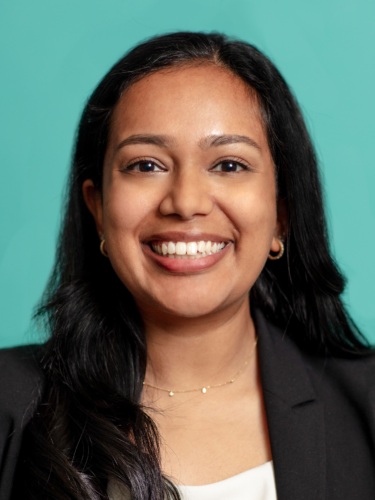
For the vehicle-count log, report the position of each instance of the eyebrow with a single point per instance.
(205, 143)
(156, 140)
(223, 140)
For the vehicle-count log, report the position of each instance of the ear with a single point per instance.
(93, 200)
(281, 229)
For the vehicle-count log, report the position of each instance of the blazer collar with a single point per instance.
(294, 415)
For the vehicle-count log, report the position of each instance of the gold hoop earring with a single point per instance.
(280, 253)
(102, 247)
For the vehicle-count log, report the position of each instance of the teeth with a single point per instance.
(201, 247)
(192, 249)
(171, 248)
(181, 248)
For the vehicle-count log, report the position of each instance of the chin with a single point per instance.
(185, 306)
(192, 311)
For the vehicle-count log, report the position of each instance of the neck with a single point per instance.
(187, 353)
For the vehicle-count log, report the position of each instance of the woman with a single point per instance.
(199, 347)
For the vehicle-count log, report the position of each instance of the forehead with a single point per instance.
(204, 98)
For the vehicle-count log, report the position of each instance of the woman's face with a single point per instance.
(188, 206)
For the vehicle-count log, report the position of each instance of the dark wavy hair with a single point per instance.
(90, 426)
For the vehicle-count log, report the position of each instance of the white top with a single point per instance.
(254, 484)
(257, 483)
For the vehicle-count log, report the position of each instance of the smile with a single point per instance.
(190, 249)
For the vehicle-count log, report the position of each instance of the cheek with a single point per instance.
(255, 215)
(123, 211)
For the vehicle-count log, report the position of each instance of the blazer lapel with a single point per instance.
(294, 415)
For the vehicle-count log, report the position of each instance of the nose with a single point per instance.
(188, 195)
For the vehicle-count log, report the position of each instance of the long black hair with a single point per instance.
(90, 426)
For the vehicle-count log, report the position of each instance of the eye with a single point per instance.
(143, 166)
(230, 166)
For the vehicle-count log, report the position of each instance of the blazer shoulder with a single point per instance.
(360, 368)
(352, 378)
(21, 383)
(20, 378)
(294, 373)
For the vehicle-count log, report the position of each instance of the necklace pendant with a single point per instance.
(171, 394)
(204, 390)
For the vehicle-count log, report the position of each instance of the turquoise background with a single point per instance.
(52, 54)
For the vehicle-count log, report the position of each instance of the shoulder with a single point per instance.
(21, 384)
(351, 379)
(290, 370)
(23, 358)
(323, 409)
(20, 379)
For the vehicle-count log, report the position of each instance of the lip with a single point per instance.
(185, 265)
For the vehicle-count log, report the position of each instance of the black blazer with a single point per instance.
(320, 412)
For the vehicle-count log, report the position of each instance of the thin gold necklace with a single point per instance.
(205, 388)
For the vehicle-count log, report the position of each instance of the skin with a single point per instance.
(201, 170)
